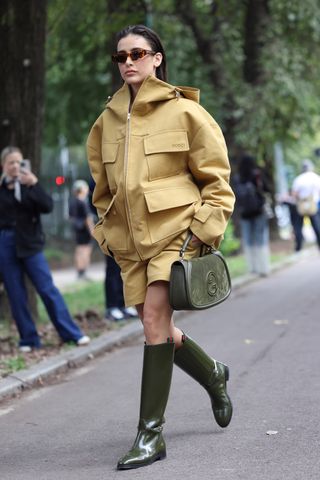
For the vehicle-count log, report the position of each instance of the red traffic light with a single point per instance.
(60, 180)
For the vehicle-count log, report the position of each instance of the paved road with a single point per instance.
(268, 332)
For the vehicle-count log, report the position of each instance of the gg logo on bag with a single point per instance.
(211, 284)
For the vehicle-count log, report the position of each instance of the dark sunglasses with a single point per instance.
(135, 55)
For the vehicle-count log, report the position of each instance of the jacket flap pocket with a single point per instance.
(109, 152)
(166, 198)
(168, 141)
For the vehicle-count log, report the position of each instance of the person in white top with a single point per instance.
(306, 190)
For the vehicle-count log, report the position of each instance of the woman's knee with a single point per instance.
(156, 324)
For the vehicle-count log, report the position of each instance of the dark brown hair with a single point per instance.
(154, 41)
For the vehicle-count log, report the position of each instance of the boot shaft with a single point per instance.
(156, 381)
(195, 362)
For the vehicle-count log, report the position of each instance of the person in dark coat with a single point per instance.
(82, 224)
(22, 200)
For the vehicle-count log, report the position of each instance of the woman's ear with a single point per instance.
(157, 59)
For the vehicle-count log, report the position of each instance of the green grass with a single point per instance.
(79, 298)
(53, 254)
(237, 264)
(12, 365)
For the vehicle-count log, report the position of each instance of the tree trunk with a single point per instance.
(256, 24)
(22, 60)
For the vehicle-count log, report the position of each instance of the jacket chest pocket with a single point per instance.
(110, 159)
(166, 153)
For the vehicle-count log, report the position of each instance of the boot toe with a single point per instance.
(223, 415)
(129, 462)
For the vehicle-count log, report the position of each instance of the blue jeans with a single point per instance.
(12, 270)
(255, 242)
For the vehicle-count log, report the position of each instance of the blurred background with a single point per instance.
(255, 61)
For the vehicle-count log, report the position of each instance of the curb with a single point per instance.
(15, 384)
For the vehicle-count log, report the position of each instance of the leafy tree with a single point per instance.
(255, 61)
(79, 70)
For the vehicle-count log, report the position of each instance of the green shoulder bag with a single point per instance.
(201, 282)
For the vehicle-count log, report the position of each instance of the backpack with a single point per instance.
(249, 200)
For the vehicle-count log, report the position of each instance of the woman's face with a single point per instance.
(134, 72)
(12, 163)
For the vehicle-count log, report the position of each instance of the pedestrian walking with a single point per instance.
(290, 201)
(251, 188)
(82, 225)
(161, 168)
(306, 190)
(22, 200)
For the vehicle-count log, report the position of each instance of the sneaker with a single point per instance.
(130, 312)
(25, 349)
(115, 314)
(85, 340)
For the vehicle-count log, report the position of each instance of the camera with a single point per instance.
(25, 165)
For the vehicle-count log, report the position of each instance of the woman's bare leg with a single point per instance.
(156, 315)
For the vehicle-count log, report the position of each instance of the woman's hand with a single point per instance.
(196, 242)
(27, 178)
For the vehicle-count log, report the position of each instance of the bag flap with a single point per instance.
(208, 280)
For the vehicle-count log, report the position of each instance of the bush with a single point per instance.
(230, 244)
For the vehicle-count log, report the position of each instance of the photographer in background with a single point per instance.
(22, 200)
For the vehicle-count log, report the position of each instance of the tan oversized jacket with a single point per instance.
(159, 170)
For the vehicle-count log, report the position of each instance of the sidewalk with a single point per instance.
(68, 276)
(16, 383)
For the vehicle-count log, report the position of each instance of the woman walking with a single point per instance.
(160, 165)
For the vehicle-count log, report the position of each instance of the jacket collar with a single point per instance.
(150, 93)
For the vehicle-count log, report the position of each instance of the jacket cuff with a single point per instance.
(205, 225)
(100, 238)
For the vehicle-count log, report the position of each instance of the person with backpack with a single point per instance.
(250, 189)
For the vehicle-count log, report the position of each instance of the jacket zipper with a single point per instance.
(126, 156)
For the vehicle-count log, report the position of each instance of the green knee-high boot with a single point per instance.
(149, 444)
(212, 375)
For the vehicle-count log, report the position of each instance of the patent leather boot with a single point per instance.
(212, 375)
(149, 444)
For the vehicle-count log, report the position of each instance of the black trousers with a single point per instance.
(113, 284)
(315, 222)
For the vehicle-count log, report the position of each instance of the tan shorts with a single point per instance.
(137, 276)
